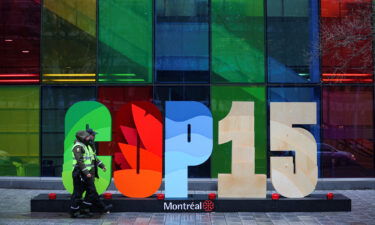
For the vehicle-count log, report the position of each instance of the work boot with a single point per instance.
(78, 214)
(107, 208)
(86, 211)
(103, 207)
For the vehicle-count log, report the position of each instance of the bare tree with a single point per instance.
(346, 44)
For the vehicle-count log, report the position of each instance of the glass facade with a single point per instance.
(19, 131)
(293, 21)
(347, 41)
(348, 131)
(237, 41)
(54, 53)
(56, 101)
(182, 41)
(68, 50)
(125, 48)
(19, 41)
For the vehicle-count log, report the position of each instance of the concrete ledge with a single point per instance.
(196, 184)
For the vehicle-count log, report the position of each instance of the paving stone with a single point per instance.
(15, 209)
(249, 222)
(279, 222)
(264, 223)
(233, 219)
(246, 217)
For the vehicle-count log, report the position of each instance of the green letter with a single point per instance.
(99, 118)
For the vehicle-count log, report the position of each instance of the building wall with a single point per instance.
(54, 53)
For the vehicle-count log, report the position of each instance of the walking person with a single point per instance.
(85, 165)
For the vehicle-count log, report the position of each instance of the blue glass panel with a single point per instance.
(181, 41)
(293, 41)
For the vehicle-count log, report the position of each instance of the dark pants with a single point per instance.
(82, 183)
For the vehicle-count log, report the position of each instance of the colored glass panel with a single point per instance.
(221, 104)
(125, 41)
(181, 41)
(292, 41)
(347, 41)
(19, 131)
(185, 93)
(300, 94)
(237, 37)
(348, 132)
(69, 41)
(55, 103)
(19, 41)
(114, 98)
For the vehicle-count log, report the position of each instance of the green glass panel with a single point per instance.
(19, 131)
(237, 41)
(125, 41)
(99, 118)
(69, 40)
(221, 103)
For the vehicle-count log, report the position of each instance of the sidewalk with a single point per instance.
(15, 209)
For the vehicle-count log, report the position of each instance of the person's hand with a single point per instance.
(88, 175)
(104, 169)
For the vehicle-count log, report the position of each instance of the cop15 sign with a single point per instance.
(188, 139)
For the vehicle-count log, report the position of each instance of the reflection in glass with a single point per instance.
(125, 41)
(55, 102)
(69, 41)
(181, 41)
(19, 41)
(347, 41)
(293, 41)
(19, 131)
(237, 35)
(348, 135)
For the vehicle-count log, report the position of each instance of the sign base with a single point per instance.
(201, 203)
